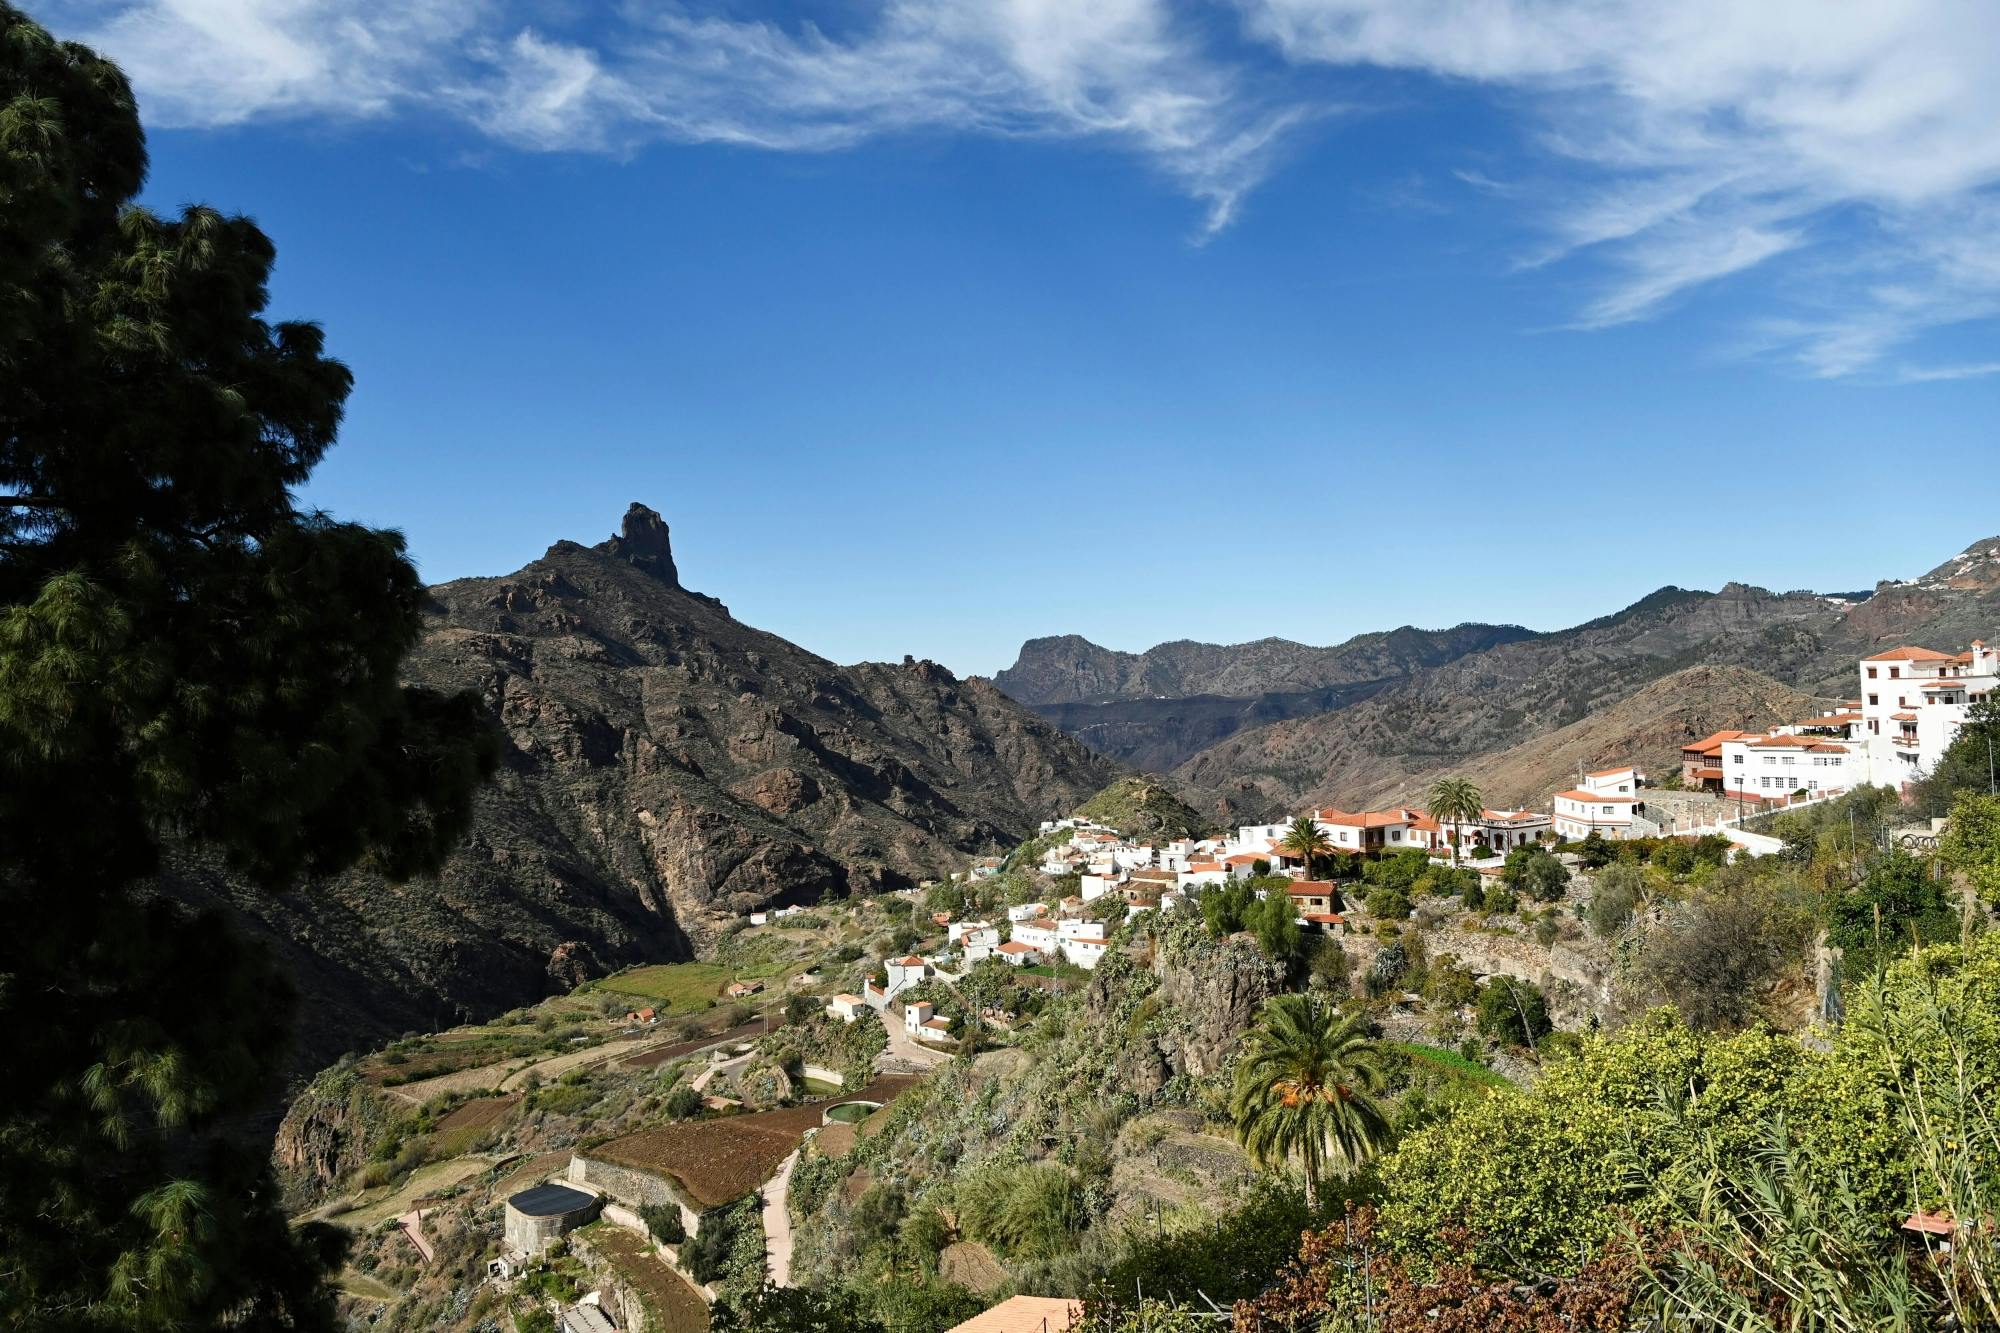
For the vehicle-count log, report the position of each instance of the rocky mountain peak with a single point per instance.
(642, 540)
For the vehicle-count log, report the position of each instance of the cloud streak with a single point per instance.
(1839, 158)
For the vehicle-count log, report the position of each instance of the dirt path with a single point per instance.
(778, 1223)
(903, 1048)
(557, 1065)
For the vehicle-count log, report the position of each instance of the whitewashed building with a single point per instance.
(1913, 701)
(1605, 803)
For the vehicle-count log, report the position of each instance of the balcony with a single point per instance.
(1904, 740)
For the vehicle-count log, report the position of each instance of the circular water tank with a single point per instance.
(536, 1217)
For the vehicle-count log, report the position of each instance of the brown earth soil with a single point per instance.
(719, 1161)
(660, 1055)
(672, 1306)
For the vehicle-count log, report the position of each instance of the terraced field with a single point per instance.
(672, 1306)
(719, 1161)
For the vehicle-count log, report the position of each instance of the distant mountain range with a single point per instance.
(666, 769)
(1257, 727)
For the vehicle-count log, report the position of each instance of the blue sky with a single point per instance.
(931, 326)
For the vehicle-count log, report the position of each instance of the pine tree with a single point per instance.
(185, 658)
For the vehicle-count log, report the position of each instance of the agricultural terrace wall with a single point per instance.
(633, 1187)
(824, 1075)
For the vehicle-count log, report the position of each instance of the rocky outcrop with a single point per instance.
(665, 768)
(327, 1134)
(1204, 994)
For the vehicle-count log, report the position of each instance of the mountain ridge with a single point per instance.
(665, 769)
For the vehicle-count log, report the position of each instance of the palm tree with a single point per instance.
(1456, 800)
(1305, 839)
(1306, 1087)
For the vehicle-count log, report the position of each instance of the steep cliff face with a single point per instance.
(666, 768)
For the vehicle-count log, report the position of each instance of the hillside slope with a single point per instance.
(1156, 709)
(1648, 728)
(1505, 696)
(1071, 669)
(666, 768)
(1494, 699)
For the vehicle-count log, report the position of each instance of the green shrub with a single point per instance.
(663, 1221)
(1513, 1011)
(1388, 902)
(1026, 1212)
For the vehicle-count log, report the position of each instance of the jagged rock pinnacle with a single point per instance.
(642, 540)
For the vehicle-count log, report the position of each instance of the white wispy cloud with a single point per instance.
(1844, 153)
(1713, 137)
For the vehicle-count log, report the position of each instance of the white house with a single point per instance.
(846, 1007)
(1132, 858)
(1096, 885)
(920, 1022)
(1201, 873)
(1504, 830)
(1771, 768)
(759, 918)
(904, 973)
(1913, 702)
(1018, 954)
(958, 930)
(1027, 911)
(1606, 803)
(1040, 934)
(1085, 950)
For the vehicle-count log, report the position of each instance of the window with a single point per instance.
(1874, 699)
(1738, 758)
(1871, 673)
(1895, 673)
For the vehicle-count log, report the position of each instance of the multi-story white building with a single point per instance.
(1913, 701)
(1605, 803)
(1774, 767)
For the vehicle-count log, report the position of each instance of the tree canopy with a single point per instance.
(186, 659)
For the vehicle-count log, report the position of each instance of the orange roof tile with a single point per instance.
(1599, 798)
(1909, 654)
(1612, 772)
(1362, 819)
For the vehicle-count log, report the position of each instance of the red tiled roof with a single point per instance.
(1902, 717)
(1599, 798)
(1612, 772)
(912, 961)
(1363, 819)
(1711, 744)
(1909, 654)
(1311, 888)
(1326, 918)
(1015, 946)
